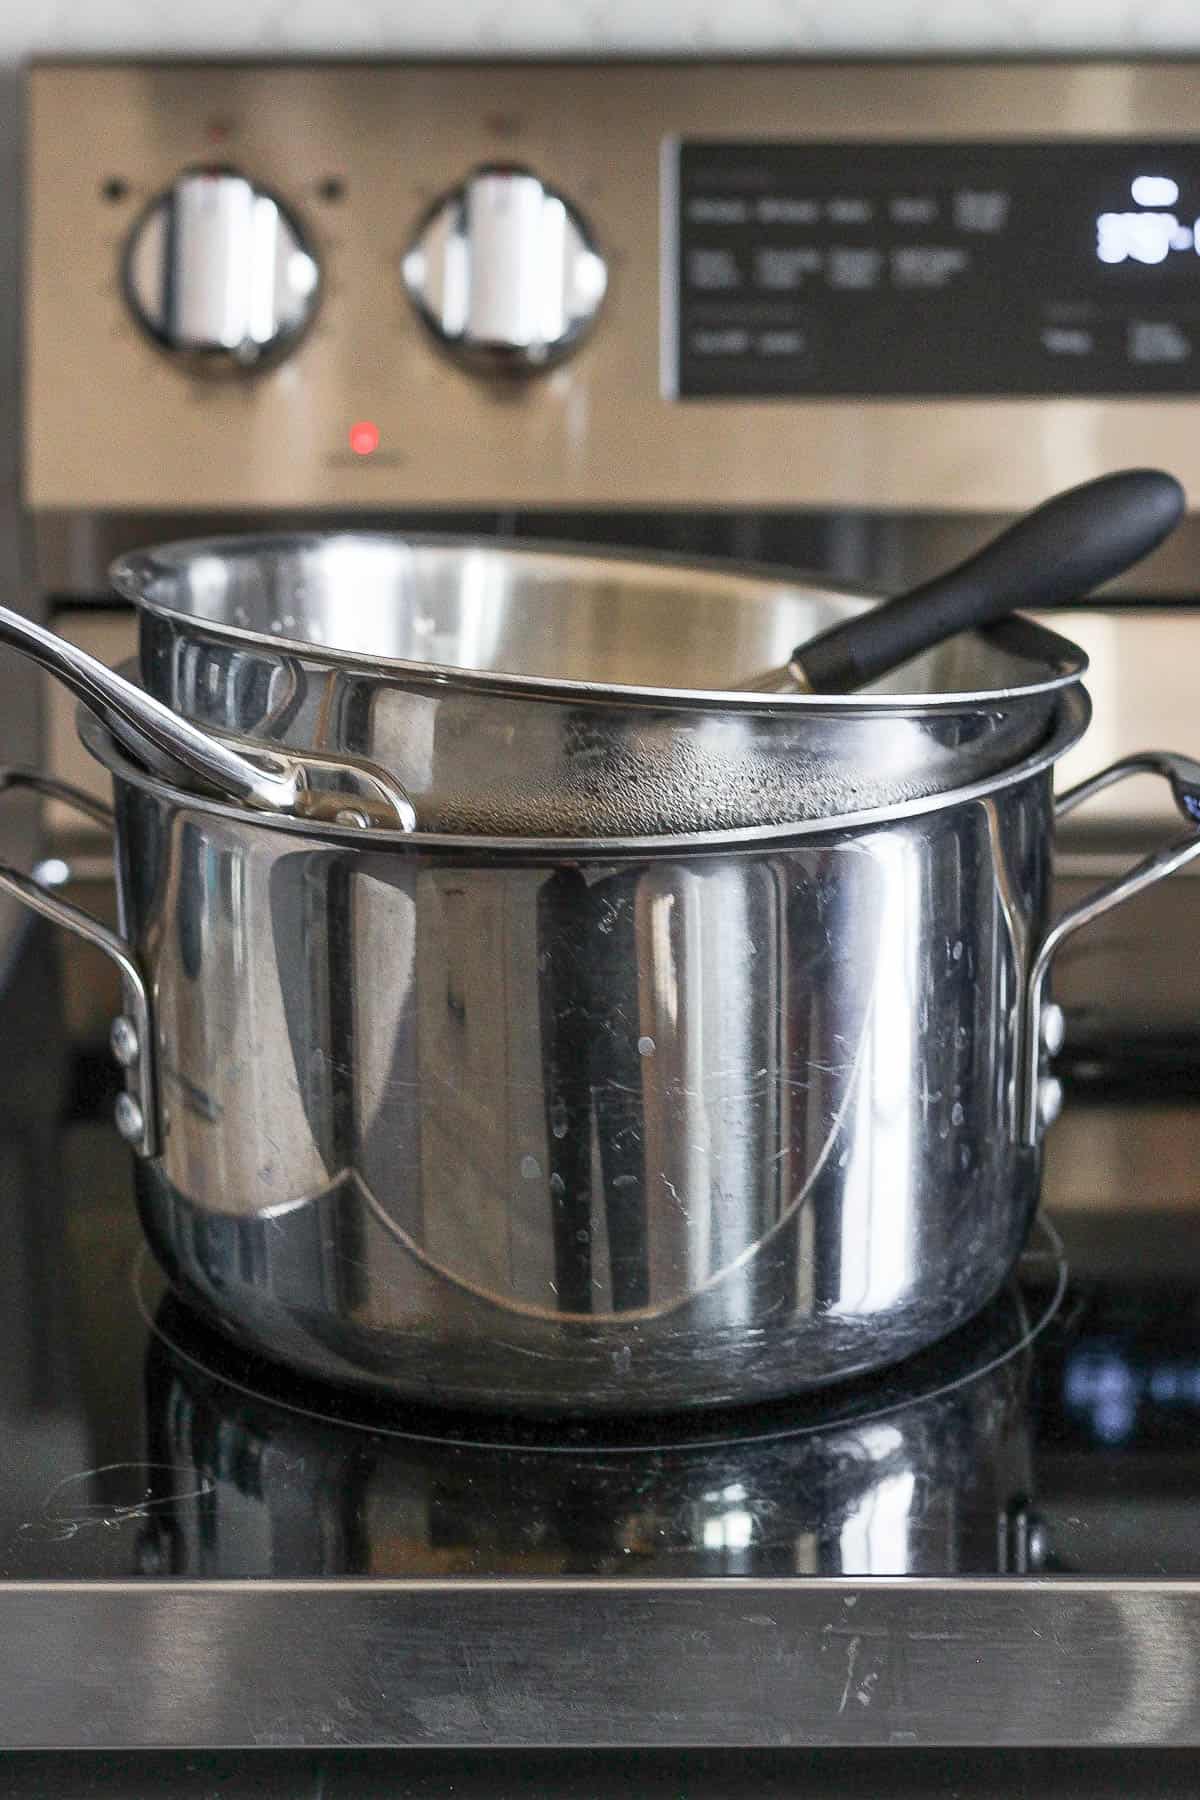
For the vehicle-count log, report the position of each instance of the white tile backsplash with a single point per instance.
(484, 27)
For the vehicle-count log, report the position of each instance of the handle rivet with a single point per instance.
(123, 1041)
(1049, 1100)
(131, 1123)
(1054, 1029)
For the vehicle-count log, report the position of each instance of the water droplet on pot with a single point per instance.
(956, 1114)
(646, 1046)
(531, 1168)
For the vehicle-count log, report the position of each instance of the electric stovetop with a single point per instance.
(998, 1542)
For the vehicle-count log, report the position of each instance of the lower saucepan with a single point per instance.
(584, 1126)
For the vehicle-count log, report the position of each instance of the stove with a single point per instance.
(612, 303)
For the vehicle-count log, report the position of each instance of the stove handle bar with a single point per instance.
(1183, 774)
(137, 1115)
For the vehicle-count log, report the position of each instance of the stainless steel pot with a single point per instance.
(544, 692)
(588, 1126)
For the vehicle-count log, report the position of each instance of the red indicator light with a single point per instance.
(364, 437)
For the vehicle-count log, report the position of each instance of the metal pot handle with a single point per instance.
(133, 1038)
(1184, 776)
(312, 784)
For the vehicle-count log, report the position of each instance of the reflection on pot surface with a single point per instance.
(924, 1469)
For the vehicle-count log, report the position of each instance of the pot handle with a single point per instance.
(133, 1039)
(1183, 774)
(313, 785)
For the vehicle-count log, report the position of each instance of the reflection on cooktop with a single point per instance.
(248, 1471)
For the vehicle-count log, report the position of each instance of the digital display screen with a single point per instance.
(1065, 267)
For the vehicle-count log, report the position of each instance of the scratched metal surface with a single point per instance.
(599, 1663)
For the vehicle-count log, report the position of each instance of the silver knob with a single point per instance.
(217, 270)
(504, 272)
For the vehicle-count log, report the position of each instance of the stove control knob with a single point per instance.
(504, 272)
(218, 271)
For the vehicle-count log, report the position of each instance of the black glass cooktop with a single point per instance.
(1058, 1433)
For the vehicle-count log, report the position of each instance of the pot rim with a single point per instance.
(135, 574)
(1071, 721)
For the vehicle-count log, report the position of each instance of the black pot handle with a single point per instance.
(1065, 548)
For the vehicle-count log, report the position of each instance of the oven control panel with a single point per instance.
(258, 289)
(1040, 268)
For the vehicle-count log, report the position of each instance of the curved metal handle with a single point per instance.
(138, 719)
(12, 777)
(312, 786)
(1183, 774)
(140, 1128)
